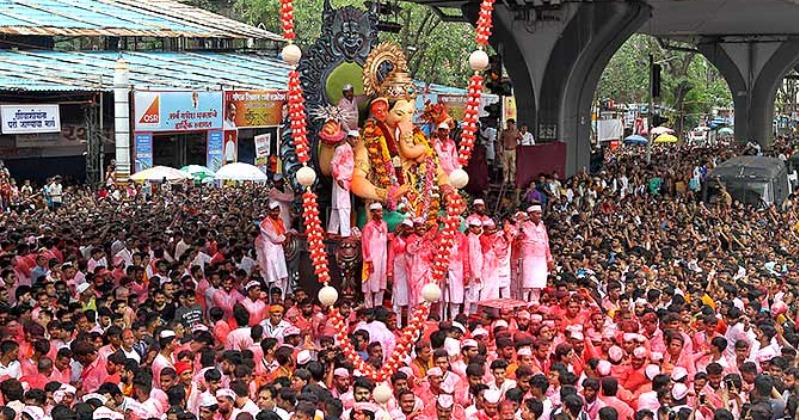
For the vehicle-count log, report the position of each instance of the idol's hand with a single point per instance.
(400, 192)
(405, 127)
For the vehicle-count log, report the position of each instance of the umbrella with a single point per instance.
(240, 172)
(198, 172)
(666, 138)
(726, 131)
(661, 130)
(636, 139)
(158, 173)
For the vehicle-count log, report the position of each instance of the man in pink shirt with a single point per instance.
(167, 341)
(240, 339)
(226, 297)
(253, 303)
(94, 371)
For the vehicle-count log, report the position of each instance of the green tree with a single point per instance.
(690, 86)
(437, 51)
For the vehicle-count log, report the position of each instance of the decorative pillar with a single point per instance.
(122, 120)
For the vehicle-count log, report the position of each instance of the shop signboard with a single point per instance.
(177, 111)
(215, 150)
(253, 109)
(262, 149)
(29, 119)
(144, 151)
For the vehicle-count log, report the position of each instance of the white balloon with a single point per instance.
(382, 394)
(328, 296)
(306, 176)
(458, 178)
(431, 292)
(478, 60)
(291, 54)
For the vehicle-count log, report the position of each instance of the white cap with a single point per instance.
(407, 222)
(167, 334)
(375, 206)
(273, 204)
(251, 284)
(94, 396)
(443, 125)
(651, 371)
(346, 87)
(459, 326)
(488, 223)
(105, 413)
(435, 371)
(291, 330)
(353, 133)
(418, 220)
(341, 372)
(452, 346)
(69, 389)
(492, 396)
(225, 392)
(534, 208)
(640, 353)
(629, 336)
(480, 331)
(478, 201)
(445, 401)
(615, 353)
(303, 357)
(207, 400)
(603, 368)
(679, 391)
(474, 221)
(656, 356)
(469, 343)
(577, 335)
(679, 373)
(501, 323)
(83, 287)
(36, 413)
(277, 177)
(524, 351)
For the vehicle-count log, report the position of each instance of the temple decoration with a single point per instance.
(394, 161)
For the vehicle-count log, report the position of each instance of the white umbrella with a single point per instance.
(240, 172)
(158, 173)
(661, 130)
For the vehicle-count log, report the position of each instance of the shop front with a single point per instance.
(178, 128)
(252, 124)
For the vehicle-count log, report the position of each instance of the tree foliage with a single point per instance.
(437, 51)
(690, 86)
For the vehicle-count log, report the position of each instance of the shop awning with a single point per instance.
(120, 18)
(93, 71)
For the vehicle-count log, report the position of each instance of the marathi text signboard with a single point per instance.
(253, 109)
(26, 119)
(177, 111)
(214, 155)
(263, 144)
(144, 151)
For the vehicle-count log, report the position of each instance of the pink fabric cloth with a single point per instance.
(375, 251)
(535, 254)
(447, 153)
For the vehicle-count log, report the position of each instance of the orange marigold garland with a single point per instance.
(306, 177)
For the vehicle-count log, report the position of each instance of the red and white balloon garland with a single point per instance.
(306, 177)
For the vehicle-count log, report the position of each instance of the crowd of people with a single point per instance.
(628, 297)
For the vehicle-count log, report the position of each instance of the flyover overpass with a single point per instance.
(556, 50)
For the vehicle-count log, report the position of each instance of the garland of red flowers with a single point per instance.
(313, 225)
(469, 132)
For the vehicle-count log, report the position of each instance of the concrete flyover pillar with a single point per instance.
(753, 67)
(555, 57)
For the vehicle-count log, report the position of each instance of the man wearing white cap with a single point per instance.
(473, 286)
(343, 163)
(269, 248)
(397, 269)
(348, 105)
(446, 149)
(420, 248)
(536, 257)
(458, 275)
(282, 193)
(374, 247)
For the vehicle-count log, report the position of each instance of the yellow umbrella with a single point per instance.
(666, 138)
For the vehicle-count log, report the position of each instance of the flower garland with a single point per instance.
(306, 176)
(478, 61)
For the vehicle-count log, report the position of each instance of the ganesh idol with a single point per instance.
(394, 161)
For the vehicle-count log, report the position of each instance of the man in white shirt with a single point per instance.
(527, 137)
(348, 105)
(9, 363)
